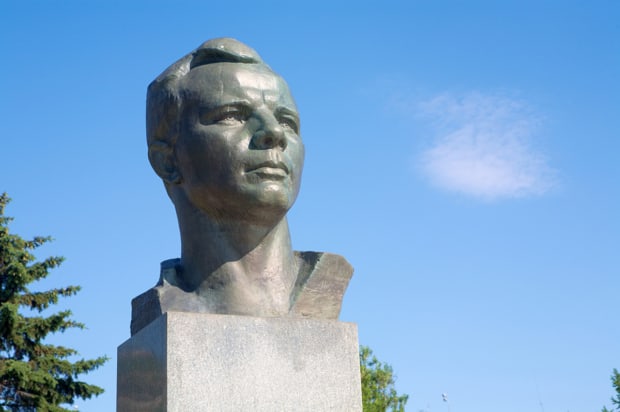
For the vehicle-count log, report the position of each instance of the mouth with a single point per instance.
(269, 169)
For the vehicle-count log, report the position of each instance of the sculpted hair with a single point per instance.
(163, 98)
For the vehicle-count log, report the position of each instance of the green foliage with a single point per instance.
(378, 393)
(35, 376)
(615, 400)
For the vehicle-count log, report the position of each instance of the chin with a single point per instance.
(271, 194)
(264, 204)
(270, 205)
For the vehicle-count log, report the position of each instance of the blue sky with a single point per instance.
(462, 155)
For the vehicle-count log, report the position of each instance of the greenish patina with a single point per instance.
(223, 134)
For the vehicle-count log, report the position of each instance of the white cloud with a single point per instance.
(484, 147)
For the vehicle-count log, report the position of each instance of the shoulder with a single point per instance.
(166, 295)
(321, 282)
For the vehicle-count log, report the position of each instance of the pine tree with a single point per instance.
(35, 376)
(615, 382)
(378, 393)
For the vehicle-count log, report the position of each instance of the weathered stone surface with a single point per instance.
(204, 362)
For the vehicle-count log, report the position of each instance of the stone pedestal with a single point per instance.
(202, 362)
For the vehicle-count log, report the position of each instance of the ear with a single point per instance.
(163, 162)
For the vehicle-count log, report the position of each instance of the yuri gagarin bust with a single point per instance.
(223, 134)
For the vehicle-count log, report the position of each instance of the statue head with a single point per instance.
(223, 134)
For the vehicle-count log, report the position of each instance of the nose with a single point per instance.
(270, 134)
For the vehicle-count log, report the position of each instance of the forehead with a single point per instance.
(221, 83)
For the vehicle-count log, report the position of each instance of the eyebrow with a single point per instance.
(209, 106)
(286, 110)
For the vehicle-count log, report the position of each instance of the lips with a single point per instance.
(269, 169)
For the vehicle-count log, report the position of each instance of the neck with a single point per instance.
(245, 265)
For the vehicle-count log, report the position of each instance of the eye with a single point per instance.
(230, 117)
(226, 116)
(289, 122)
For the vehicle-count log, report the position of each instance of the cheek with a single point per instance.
(298, 154)
(203, 143)
(195, 154)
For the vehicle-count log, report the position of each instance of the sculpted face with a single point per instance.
(239, 152)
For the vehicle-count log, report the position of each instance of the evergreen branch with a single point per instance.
(35, 375)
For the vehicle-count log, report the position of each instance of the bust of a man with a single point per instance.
(223, 134)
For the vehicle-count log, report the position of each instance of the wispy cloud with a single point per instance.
(484, 148)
